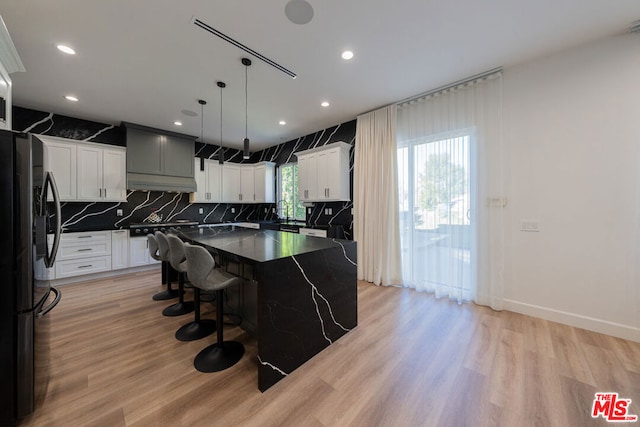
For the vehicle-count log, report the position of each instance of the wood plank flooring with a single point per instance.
(412, 361)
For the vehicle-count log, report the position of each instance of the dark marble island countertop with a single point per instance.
(299, 297)
(259, 245)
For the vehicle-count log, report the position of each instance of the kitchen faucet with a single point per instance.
(286, 213)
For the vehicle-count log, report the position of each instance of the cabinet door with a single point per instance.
(90, 173)
(322, 175)
(114, 181)
(138, 251)
(61, 159)
(119, 249)
(230, 183)
(337, 179)
(247, 185)
(307, 176)
(263, 178)
(178, 156)
(201, 193)
(214, 178)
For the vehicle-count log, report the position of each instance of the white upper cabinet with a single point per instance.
(323, 173)
(9, 63)
(114, 175)
(247, 184)
(264, 182)
(208, 182)
(60, 158)
(231, 189)
(86, 171)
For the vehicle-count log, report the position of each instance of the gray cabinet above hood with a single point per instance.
(159, 160)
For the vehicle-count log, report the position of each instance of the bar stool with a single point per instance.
(176, 259)
(199, 328)
(155, 253)
(204, 275)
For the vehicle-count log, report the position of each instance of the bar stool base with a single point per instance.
(178, 309)
(219, 357)
(165, 295)
(196, 330)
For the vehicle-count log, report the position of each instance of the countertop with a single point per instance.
(259, 245)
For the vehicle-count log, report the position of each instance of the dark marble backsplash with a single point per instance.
(81, 216)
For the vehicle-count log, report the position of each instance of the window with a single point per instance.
(436, 191)
(288, 204)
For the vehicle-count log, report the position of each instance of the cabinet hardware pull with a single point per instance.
(84, 237)
(85, 249)
(105, 193)
(85, 266)
(100, 189)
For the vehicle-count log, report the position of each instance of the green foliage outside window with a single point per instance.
(288, 192)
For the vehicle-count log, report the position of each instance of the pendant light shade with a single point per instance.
(247, 63)
(221, 85)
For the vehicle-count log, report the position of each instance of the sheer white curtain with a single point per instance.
(375, 198)
(451, 191)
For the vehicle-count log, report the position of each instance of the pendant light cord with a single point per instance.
(246, 100)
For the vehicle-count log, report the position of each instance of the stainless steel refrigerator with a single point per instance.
(29, 209)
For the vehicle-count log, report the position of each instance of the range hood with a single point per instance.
(159, 160)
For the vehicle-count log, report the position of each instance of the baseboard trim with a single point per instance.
(592, 324)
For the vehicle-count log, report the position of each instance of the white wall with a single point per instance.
(572, 151)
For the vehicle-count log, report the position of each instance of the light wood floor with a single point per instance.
(412, 361)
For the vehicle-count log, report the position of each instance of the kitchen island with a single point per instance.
(303, 290)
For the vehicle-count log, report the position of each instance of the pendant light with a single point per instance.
(247, 63)
(221, 85)
(202, 103)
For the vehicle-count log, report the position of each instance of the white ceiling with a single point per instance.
(144, 61)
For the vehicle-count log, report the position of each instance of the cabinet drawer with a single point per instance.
(78, 267)
(313, 232)
(86, 236)
(76, 250)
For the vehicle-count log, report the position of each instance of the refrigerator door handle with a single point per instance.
(50, 181)
(50, 307)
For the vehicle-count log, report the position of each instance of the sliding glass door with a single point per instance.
(437, 199)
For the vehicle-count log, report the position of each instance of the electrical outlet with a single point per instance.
(233, 210)
(118, 212)
(309, 211)
(273, 210)
(200, 211)
(330, 210)
(529, 225)
(266, 210)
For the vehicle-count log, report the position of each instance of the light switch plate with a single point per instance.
(233, 210)
(200, 211)
(529, 225)
(118, 212)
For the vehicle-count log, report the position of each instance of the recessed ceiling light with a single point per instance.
(177, 123)
(282, 123)
(347, 54)
(71, 98)
(66, 49)
(325, 104)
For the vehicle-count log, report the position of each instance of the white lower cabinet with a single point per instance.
(95, 252)
(139, 252)
(119, 249)
(83, 253)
